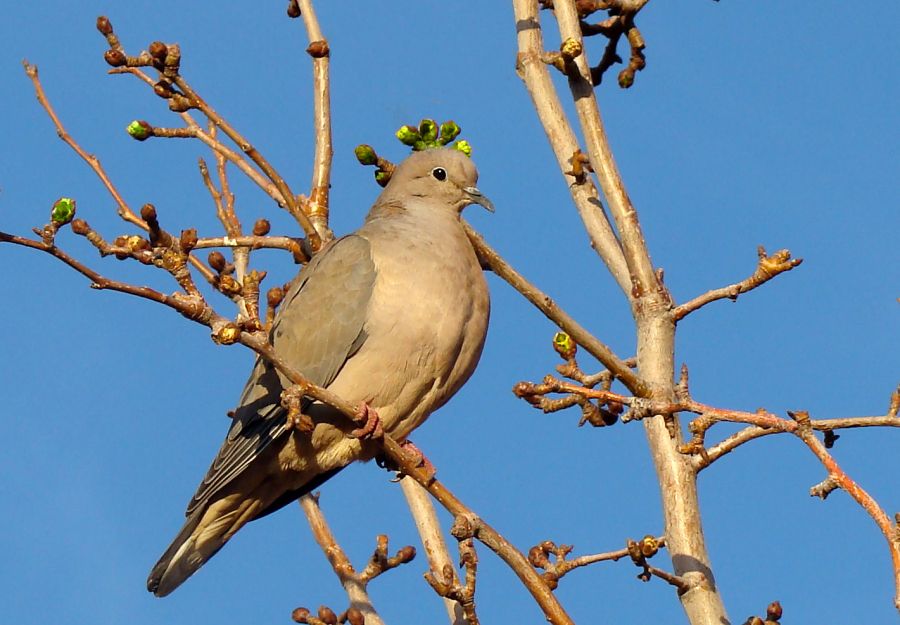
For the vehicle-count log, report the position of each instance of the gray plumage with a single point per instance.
(394, 315)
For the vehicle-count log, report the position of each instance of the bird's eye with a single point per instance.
(439, 173)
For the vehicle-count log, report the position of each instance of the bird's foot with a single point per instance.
(292, 400)
(419, 459)
(372, 428)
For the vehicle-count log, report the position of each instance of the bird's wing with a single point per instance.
(319, 326)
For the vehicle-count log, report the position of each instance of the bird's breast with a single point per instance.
(426, 325)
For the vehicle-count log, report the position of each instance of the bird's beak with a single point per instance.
(478, 198)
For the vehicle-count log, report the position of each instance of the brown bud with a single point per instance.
(327, 615)
(293, 9)
(754, 620)
(773, 612)
(318, 49)
(103, 25)
(275, 296)
(163, 89)
(148, 213)
(299, 615)
(217, 260)
(80, 226)
(355, 617)
(406, 554)
(116, 58)
(262, 227)
(188, 239)
(158, 50)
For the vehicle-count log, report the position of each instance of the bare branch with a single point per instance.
(767, 268)
(353, 584)
(643, 277)
(432, 541)
(321, 176)
(533, 71)
(553, 312)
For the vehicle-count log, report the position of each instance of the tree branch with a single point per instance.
(767, 268)
(534, 73)
(432, 541)
(555, 314)
(321, 176)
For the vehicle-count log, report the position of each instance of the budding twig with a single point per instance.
(768, 267)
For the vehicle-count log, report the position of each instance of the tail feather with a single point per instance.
(203, 534)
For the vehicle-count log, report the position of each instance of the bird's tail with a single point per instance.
(203, 534)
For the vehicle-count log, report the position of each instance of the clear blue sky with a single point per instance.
(754, 123)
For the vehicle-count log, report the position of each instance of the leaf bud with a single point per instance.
(139, 129)
(104, 25)
(327, 615)
(116, 58)
(275, 296)
(63, 211)
(449, 131)
(262, 227)
(428, 130)
(217, 260)
(464, 147)
(188, 239)
(80, 227)
(408, 135)
(365, 154)
(158, 50)
(564, 345)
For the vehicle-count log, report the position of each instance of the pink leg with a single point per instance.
(371, 429)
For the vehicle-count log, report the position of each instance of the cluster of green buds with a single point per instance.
(427, 135)
(430, 135)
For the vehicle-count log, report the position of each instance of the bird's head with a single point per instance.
(444, 176)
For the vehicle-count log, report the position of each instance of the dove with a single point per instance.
(391, 318)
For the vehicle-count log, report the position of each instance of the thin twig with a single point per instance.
(351, 582)
(123, 209)
(767, 268)
(553, 312)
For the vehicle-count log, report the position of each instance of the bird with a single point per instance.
(392, 317)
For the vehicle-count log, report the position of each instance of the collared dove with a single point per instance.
(392, 317)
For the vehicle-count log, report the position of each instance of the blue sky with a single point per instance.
(754, 123)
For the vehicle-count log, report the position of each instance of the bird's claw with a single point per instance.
(419, 459)
(372, 428)
(292, 400)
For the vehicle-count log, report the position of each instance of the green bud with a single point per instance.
(382, 177)
(139, 129)
(63, 211)
(564, 345)
(464, 147)
(449, 131)
(428, 129)
(420, 145)
(365, 154)
(408, 135)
